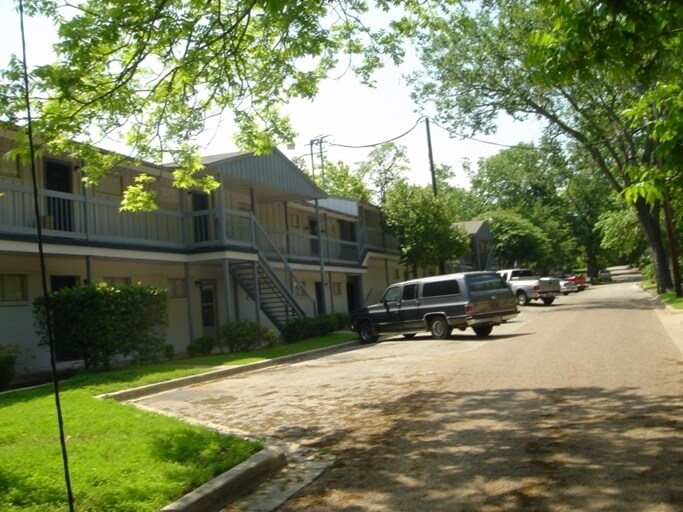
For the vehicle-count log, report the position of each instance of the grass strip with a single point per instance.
(121, 458)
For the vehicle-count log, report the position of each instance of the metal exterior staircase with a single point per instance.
(267, 290)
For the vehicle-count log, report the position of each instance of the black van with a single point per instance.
(438, 304)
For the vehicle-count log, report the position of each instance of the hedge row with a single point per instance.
(299, 328)
(98, 322)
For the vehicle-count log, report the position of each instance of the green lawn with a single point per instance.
(121, 458)
(668, 297)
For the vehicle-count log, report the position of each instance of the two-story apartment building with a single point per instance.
(267, 245)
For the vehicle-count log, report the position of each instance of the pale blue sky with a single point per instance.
(349, 113)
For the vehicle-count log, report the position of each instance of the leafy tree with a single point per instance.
(461, 204)
(518, 241)
(150, 73)
(341, 181)
(385, 166)
(588, 197)
(629, 41)
(621, 234)
(519, 177)
(529, 180)
(634, 43)
(480, 61)
(422, 226)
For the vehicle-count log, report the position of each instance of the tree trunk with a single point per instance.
(649, 220)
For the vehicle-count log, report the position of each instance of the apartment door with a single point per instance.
(320, 297)
(59, 212)
(353, 293)
(200, 203)
(207, 292)
(347, 233)
(59, 283)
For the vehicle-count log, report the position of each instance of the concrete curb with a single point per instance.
(247, 476)
(224, 371)
(225, 488)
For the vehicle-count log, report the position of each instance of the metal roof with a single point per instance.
(273, 177)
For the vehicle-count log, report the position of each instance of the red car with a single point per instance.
(578, 279)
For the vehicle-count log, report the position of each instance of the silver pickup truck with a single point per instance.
(439, 304)
(527, 287)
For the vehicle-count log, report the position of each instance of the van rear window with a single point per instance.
(478, 283)
(437, 288)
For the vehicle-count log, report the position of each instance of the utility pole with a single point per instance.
(321, 296)
(431, 156)
(442, 265)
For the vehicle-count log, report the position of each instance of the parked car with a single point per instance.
(605, 275)
(527, 286)
(439, 304)
(567, 287)
(578, 279)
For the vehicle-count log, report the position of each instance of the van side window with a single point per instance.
(478, 283)
(392, 294)
(438, 288)
(410, 292)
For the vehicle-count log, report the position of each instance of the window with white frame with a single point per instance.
(13, 288)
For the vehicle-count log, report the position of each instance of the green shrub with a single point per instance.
(201, 346)
(8, 364)
(343, 321)
(246, 335)
(324, 324)
(295, 329)
(270, 337)
(99, 322)
(169, 352)
(300, 327)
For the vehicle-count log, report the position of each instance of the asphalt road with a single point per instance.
(576, 406)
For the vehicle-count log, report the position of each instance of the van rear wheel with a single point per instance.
(482, 330)
(440, 328)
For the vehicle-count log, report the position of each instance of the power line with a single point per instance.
(380, 143)
(419, 120)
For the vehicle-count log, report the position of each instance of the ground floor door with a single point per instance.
(208, 307)
(320, 297)
(353, 293)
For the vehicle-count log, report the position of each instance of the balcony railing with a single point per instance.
(95, 220)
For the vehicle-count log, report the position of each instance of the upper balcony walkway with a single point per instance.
(87, 220)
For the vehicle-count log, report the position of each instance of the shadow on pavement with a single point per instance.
(521, 449)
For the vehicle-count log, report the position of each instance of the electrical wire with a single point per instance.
(363, 146)
(419, 120)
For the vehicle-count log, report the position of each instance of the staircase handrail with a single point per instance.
(276, 281)
(274, 250)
